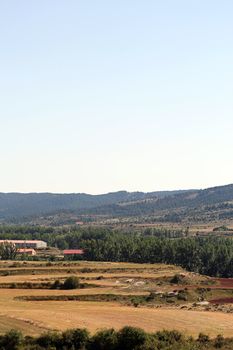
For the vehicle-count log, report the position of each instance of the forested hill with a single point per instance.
(214, 198)
(16, 205)
(27, 204)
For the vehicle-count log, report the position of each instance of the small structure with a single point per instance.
(26, 251)
(73, 252)
(79, 223)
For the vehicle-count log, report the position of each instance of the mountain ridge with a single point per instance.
(15, 204)
(120, 203)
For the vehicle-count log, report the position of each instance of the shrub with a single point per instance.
(135, 301)
(71, 282)
(219, 341)
(176, 279)
(151, 296)
(129, 338)
(99, 278)
(182, 296)
(86, 270)
(203, 338)
(104, 340)
(75, 339)
(56, 285)
(11, 340)
(49, 340)
(29, 285)
(6, 273)
(169, 337)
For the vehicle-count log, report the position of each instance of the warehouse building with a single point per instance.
(35, 244)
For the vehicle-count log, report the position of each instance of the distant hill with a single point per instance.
(28, 204)
(215, 202)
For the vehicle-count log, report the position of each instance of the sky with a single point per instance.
(100, 96)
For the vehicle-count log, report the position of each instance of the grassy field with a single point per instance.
(120, 279)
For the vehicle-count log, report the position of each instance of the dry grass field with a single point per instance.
(34, 317)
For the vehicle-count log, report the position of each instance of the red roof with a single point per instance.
(73, 251)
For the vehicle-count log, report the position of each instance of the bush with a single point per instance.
(11, 340)
(75, 339)
(56, 285)
(104, 340)
(71, 282)
(49, 340)
(203, 338)
(176, 279)
(130, 338)
(151, 297)
(219, 342)
(182, 296)
(136, 301)
(169, 337)
(99, 278)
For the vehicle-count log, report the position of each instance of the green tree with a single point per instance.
(104, 340)
(8, 251)
(130, 338)
(75, 339)
(11, 340)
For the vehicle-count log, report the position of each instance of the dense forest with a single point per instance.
(212, 256)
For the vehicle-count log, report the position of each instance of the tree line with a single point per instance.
(127, 338)
(212, 256)
(209, 256)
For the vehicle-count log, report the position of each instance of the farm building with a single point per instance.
(26, 251)
(73, 252)
(79, 223)
(35, 244)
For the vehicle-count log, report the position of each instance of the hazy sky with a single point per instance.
(98, 96)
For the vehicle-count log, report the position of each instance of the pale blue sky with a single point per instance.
(98, 96)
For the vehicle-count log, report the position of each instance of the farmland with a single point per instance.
(115, 295)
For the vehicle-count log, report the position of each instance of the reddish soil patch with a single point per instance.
(221, 283)
(226, 283)
(222, 301)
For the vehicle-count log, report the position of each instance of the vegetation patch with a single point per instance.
(197, 254)
(88, 297)
(127, 338)
(71, 282)
(175, 297)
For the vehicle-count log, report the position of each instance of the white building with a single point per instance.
(35, 244)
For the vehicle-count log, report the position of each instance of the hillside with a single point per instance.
(207, 199)
(27, 204)
(173, 206)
